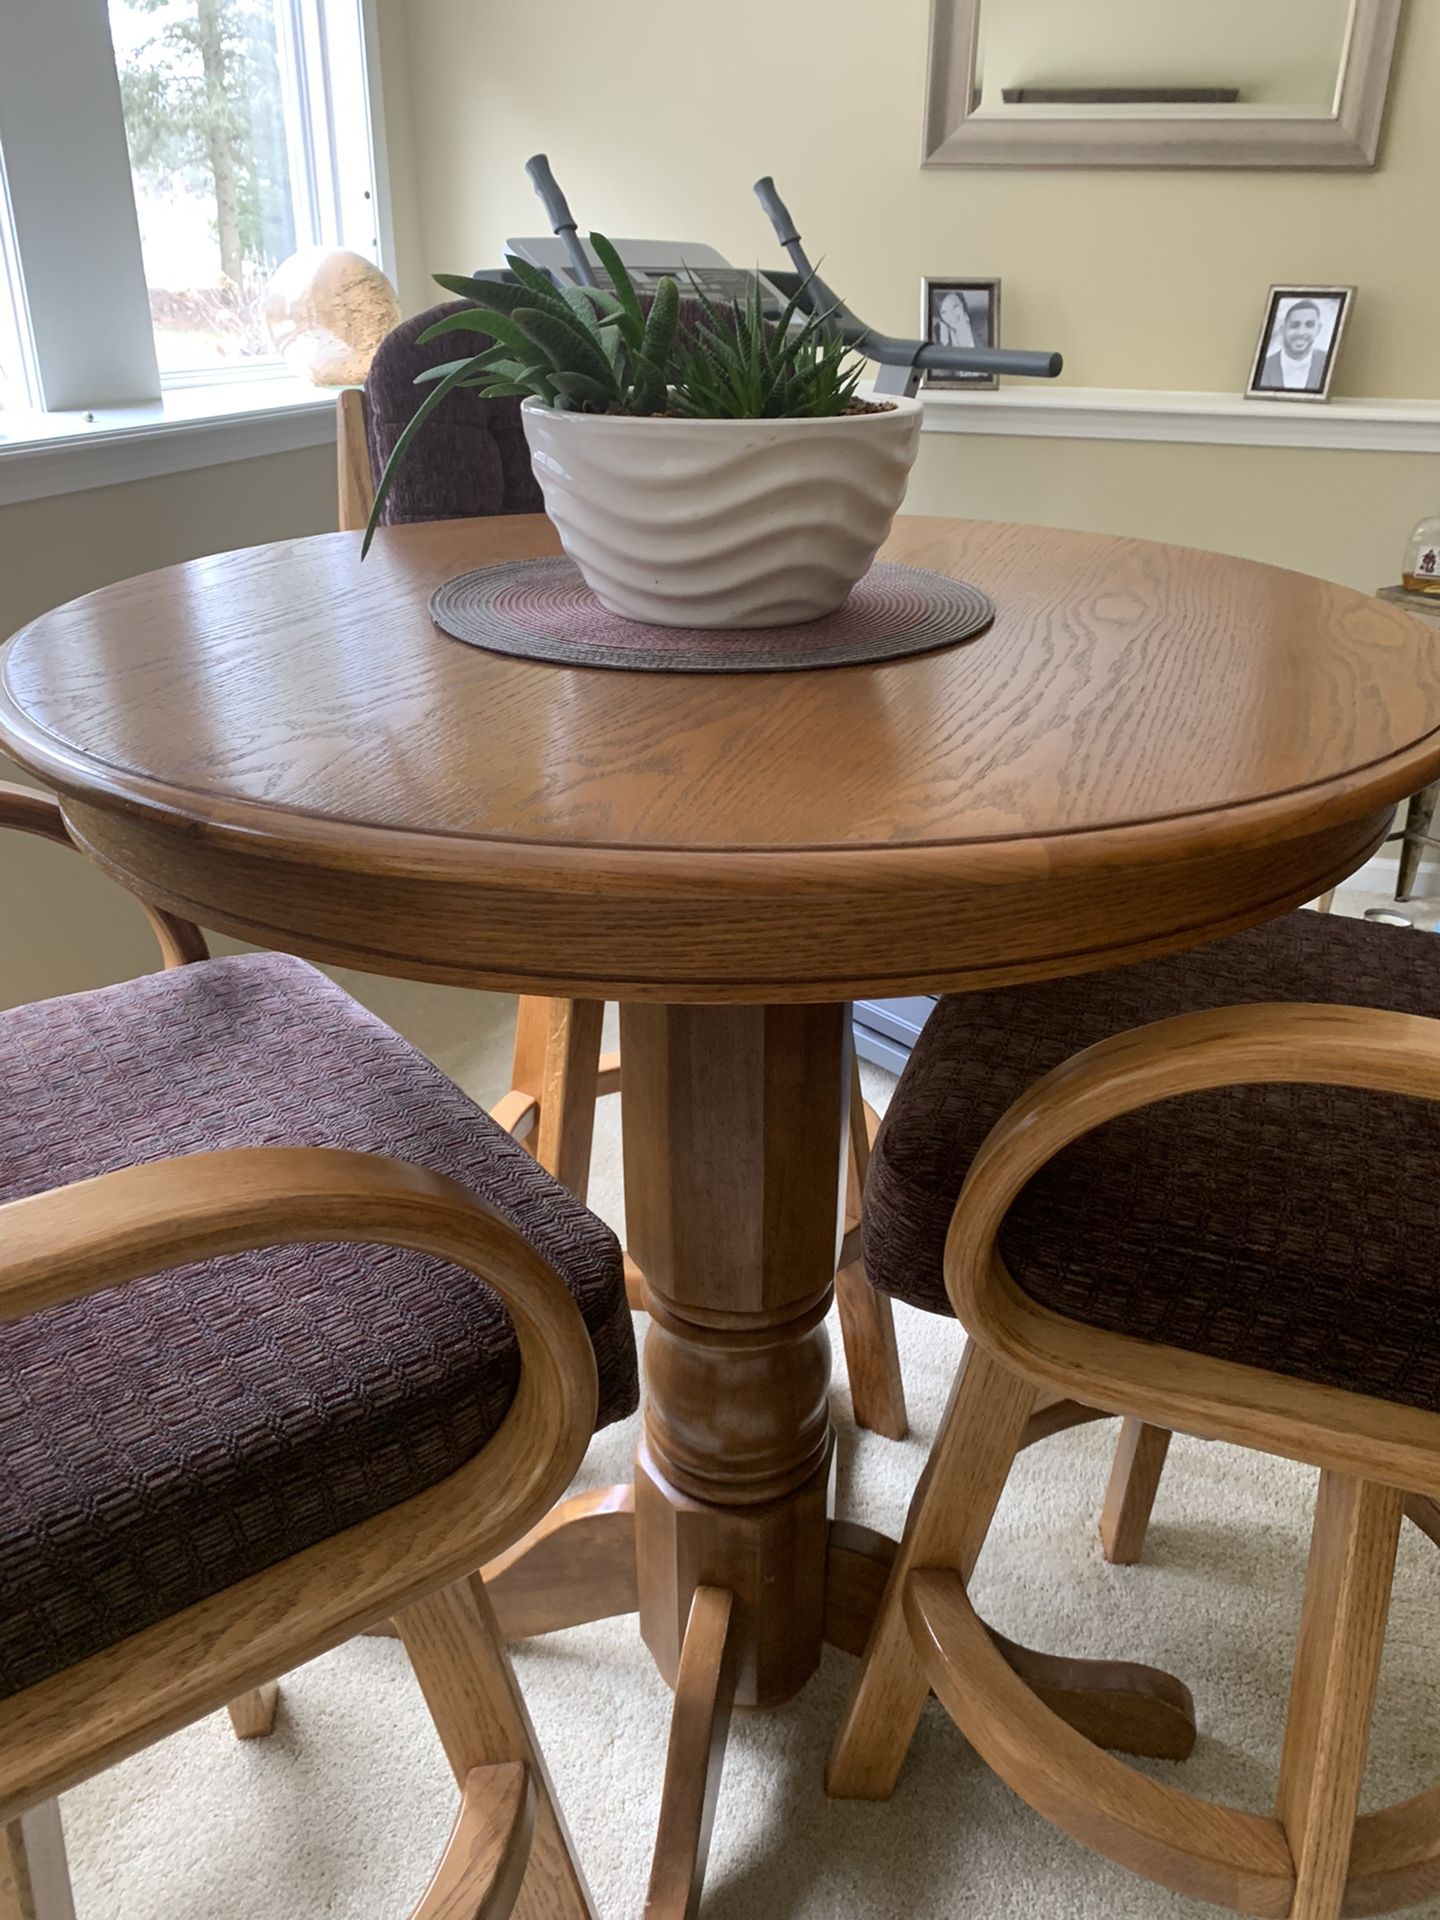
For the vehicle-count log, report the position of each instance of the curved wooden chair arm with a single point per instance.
(29, 811)
(1361, 1047)
(482, 1871)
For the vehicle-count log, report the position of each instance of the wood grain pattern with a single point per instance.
(1332, 1691)
(482, 1871)
(252, 1714)
(1130, 1493)
(1212, 1852)
(867, 1318)
(577, 1565)
(734, 1124)
(562, 1072)
(469, 1686)
(1173, 743)
(971, 1459)
(699, 1729)
(1120, 1704)
(354, 488)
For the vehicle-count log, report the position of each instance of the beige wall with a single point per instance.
(1279, 52)
(1341, 515)
(65, 927)
(658, 116)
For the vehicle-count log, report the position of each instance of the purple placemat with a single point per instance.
(542, 610)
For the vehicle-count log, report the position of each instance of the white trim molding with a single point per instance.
(190, 427)
(1194, 419)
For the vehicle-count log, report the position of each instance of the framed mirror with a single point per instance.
(1158, 83)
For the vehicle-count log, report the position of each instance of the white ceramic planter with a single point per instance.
(722, 523)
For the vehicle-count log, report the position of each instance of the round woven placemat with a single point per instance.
(542, 610)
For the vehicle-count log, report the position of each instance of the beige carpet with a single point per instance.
(343, 1811)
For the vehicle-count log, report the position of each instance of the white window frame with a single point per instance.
(84, 312)
(17, 349)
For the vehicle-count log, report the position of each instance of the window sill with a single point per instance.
(189, 427)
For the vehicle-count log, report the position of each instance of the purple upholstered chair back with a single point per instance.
(470, 459)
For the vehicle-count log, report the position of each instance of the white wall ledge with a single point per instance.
(1041, 411)
(191, 426)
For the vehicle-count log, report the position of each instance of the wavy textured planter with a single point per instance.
(722, 523)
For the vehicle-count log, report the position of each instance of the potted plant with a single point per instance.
(723, 474)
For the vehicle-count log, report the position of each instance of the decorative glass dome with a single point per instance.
(1421, 572)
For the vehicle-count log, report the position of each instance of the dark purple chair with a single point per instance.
(472, 458)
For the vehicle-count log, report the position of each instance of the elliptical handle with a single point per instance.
(557, 212)
(778, 215)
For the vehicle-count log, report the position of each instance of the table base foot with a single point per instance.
(1118, 1704)
(578, 1565)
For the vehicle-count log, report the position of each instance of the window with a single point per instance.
(164, 156)
(234, 161)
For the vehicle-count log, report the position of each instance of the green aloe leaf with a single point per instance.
(402, 446)
(624, 289)
(491, 320)
(496, 294)
(447, 367)
(566, 344)
(541, 286)
(652, 376)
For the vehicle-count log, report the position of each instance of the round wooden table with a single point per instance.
(1150, 747)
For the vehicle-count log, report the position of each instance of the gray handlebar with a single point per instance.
(777, 213)
(888, 349)
(557, 212)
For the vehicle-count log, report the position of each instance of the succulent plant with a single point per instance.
(578, 347)
(741, 366)
(595, 350)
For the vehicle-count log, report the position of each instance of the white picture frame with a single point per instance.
(1301, 335)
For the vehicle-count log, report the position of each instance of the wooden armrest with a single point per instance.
(29, 811)
(78, 1239)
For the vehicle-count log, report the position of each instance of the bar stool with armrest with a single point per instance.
(1190, 1224)
(473, 460)
(292, 1338)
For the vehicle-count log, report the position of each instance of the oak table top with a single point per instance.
(231, 734)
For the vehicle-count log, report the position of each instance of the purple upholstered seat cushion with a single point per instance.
(471, 457)
(160, 1441)
(1290, 1227)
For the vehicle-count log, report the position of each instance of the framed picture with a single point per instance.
(1299, 343)
(960, 313)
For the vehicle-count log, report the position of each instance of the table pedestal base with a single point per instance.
(583, 1563)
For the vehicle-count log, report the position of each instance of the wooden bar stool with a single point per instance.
(474, 460)
(382, 1337)
(1175, 1225)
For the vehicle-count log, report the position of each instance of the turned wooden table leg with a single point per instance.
(735, 1133)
